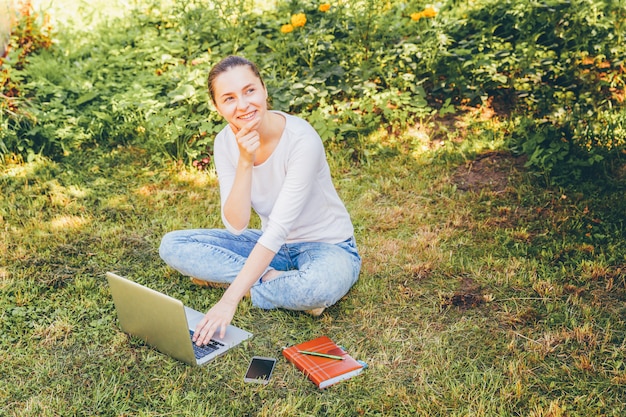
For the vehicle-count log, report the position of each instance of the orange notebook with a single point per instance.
(323, 371)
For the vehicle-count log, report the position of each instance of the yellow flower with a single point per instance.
(324, 7)
(286, 28)
(298, 20)
(429, 12)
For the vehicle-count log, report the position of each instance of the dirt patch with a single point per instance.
(491, 171)
(468, 296)
(464, 300)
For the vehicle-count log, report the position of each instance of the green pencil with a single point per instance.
(323, 355)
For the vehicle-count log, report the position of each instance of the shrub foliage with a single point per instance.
(554, 68)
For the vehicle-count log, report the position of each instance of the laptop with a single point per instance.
(165, 323)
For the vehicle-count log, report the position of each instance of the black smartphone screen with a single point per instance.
(260, 370)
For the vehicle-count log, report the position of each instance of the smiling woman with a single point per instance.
(304, 257)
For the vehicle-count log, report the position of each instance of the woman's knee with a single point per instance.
(169, 243)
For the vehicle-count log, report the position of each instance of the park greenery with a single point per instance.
(553, 69)
(479, 146)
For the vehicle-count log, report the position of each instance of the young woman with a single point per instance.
(304, 257)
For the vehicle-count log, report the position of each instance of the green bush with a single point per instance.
(555, 67)
(30, 34)
(145, 81)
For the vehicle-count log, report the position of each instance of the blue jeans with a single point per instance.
(316, 274)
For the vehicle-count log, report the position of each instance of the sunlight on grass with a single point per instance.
(68, 222)
(55, 333)
(554, 409)
(415, 256)
(200, 188)
(145, 191)
(595, 269)
(4, 277)
(200, 180)
(197, 179)
(62, 196)
(23, 170)
(120, 201)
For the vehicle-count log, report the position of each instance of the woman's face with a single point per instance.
(240, 96)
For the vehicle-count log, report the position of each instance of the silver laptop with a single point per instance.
(165, 323)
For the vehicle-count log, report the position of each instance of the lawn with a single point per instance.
(480, 294)
(486, 290)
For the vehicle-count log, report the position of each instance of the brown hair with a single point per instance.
(227, 63)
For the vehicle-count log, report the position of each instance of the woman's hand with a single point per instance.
(248, 139)
(215, 320)
(220, 315)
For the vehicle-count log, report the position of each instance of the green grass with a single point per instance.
(482, 302)
(482, 293)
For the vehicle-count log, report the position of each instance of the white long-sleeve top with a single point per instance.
(292, 191)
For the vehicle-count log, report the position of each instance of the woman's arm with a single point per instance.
(236, 211)
(222, 313)
(237, 206)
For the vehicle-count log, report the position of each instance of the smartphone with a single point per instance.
(260, 370)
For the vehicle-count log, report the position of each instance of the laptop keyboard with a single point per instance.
(202, 351)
